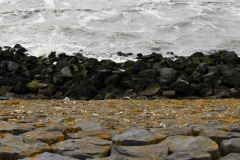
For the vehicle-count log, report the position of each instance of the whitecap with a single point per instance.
(40, 20)
(50, 3)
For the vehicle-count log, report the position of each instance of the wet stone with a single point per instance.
(136, 137)
(193, 155)
(83, 148)
(16, 147)
(49, 156)
(143, 152)
(188, 143)
(229, 146)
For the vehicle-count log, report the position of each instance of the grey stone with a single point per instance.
(48, 137)
(16, 147)
(230, 146)
(67, 72)
(89, 125)
(218, 135)
(111, 158)
(188, 143)
(16, 129)
(83, 148)
(12, 66)
(232, 156)
(101, 133)
(144, 152)
(193, 155)
(136, 137)
(49, 156)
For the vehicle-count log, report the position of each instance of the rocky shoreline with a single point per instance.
(149, 77)
(120, 129)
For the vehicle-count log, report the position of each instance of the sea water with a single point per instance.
(100, 28)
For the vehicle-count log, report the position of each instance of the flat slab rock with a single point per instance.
(49, 156)
(188, 143)
(83, 148)
(192, 155)
(140, 152)
(231, 145)
(137, 137)
(16, 147)
(232, 156)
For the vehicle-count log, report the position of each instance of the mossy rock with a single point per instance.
(36, 84)
(110, 96)
(112, 80)
(151, 90)
(196, 57)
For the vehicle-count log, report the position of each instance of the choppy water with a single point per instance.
(103, 27)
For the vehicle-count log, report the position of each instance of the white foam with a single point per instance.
(1, 1)
(40, 20)
(50, 3)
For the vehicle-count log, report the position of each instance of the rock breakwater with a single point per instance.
(149, 77)
(120, 129)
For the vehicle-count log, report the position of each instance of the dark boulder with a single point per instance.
(231, 57)
(58, 78)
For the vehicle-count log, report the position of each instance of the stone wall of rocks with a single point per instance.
(152, 76)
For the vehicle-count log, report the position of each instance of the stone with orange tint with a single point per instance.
(16, 147)
(15, 128)
(141, 152)
(218, 135)
(136, 137)
(188, 143)
(101, 133)
(88, 147)
(191, 155)
(49, 156)
(49, 137)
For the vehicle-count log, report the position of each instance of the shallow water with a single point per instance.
(102, 27)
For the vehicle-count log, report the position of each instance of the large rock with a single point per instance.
(12, 66)
(141, 152)
(100, 133)
(49, 156)
(218, 135)
(14, 128)
(230, 146)
(83, 148)
(36, 84)
(151, 90)
(231, 57)
(48, 137)
(16, 147)
(231, 156)
(67, 72)
(167, 76)
(181, 86)
(188, 143)
(192, 155)
(147, 73)
(136, 137)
